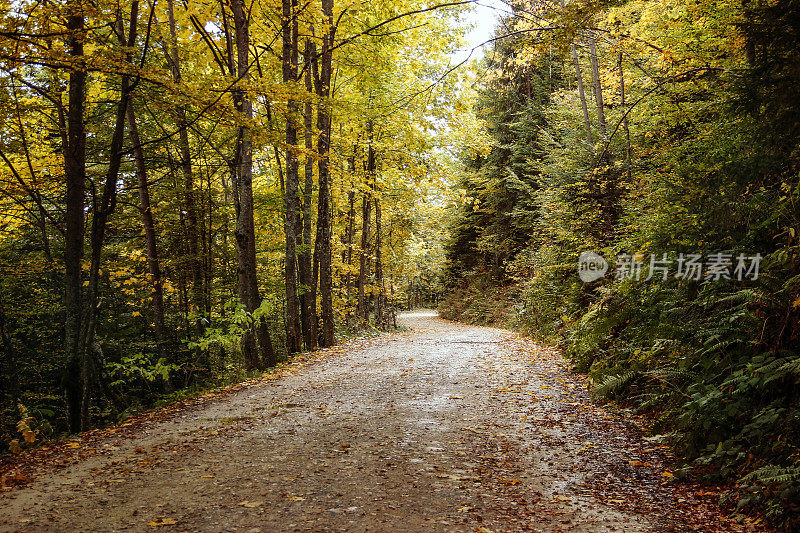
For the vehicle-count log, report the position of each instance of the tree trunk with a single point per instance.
(348, 250)
(193, 263)
(598, 88)
(225, 230)
(363, 271)
(291, 198)
(308, 307)
(609, 196)
(581, 92)
(362, 308)
(379, 319)
(625, 118)
(100, 215)
(75, 176)
(320, 340)
(256, 343)
(324, 202)
(749, 45)
(209, 270)
(149, 229)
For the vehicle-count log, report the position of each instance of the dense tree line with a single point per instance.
(179, 188)
(662, 136)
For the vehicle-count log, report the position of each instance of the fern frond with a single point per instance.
(791, 367)
(613, 385)
(773, 475)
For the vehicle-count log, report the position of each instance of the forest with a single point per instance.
(661, 136)
(194, 192)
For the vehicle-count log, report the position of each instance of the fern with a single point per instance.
(773, 475)
(614, 385)
(648, 400)
(791, 367)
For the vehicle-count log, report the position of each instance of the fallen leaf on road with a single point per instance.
(14, 479)
(251, 504)
(157, 522)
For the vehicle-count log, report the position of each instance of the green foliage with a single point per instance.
(140, 368)
(227, 333)
(714, 159)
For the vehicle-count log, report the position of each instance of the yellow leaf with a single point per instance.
(251, 504)
(156, 522)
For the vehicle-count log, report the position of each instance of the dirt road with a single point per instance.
(445, 427)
